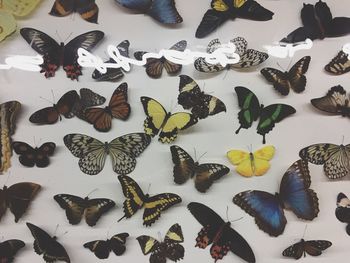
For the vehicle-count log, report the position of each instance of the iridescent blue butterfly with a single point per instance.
(295, 194)
(164, 11)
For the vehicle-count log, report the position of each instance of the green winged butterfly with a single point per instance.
(251, 110)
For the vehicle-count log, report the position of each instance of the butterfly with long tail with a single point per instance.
(251, 110)
(169, 248)
(220, 234)
(56, 55)
(9, 248)
(311, 247)
(342, 212)
(294, 194)
(47, 246)
(136, 199)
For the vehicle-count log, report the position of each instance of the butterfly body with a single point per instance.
(295, 194)
(311, 247)
(86, 8)
(9, 248)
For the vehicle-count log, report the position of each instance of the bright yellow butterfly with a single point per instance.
(11, 8)
(249, 164)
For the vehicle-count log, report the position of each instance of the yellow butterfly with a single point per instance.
(249, 164)
(11, 8)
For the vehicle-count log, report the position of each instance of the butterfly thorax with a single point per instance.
(106, 147)
(220, 232)
(278, 197)
(108, 110)
(162, 59)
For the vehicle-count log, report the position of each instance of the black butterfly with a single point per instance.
(202, 104)
(9, 248)
(342, 212)
(87, 9)
(136, 199)
(185, 167)
(56, 55)
(251, 110)
(293, 79)
(217, 232)
(318, 23)
(113, 74)
(223, 10)
(76, 207)
(17, 198)
(312, 247)
(169, 248)
(336, 102)
(47, 245)
(340, 64)
(29, 156)
(102, 248)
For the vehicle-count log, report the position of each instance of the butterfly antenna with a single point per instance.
(290, 62)
(236, 219)
(227, 213)
(58, 36)
(149, 187)
(54, 233)
(195, 153)
(121, 218)
(70, 34)
(225, 75)
(278, 64)
(53, 96)
(92, 192)
(342, 141)
(201, 156)
(160, 236)
(7, 178)
(45, 99)
(304, 231)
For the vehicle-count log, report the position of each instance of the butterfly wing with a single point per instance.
(20, 8)
(340, 64)
(164, 11)
(295, 191)
(100, 248)
(148, 244)
(184, 166)
(156, 115)
(135, 198)
(96, 208)
(335, 158)
(315, 247)
(48, 246)
(117, 243)
(26, 153)
(8, 24)
(174, 236)
(265, 208)
(73, 205)
(295, 251)
(243, 162)
(211, 20)
(278, 79)
(156, 204)
(296, 75)
(207, 173)
(249, 105)
(86, 8)
(90, 151)
(9, 248)
(88, 98)
(336, 101)
(43, 153)
(262, 158)
(139, 5)
(124, 150)
(202, 65)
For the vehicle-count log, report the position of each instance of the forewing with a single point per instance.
(207, 173)
(189, 92)
(294, 251)
(342, 212)
(165, 12)
(238, 245)
(73, 205)
(47, 115)
(318, 153)
(148, 244)
(66, 103)
(174, 234)
(119, 106)
(62, 8)
(315, 247)
(338, 165)
(100, 248)
(202, 65)
(296, 74)
(155, 113)
(184, 166)
(117, 243)
(96, 208)
(340, 64)
(250, 58)
(26, 153)
(211, 20)
(88, 98)
(9, 248)
(278, 79)
(88, 10)
(101, 119)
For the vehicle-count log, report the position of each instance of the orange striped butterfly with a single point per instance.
(118, 108)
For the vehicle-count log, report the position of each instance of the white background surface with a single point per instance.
(214, 135)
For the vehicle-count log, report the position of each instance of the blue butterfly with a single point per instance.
(163, 11)
(295, 194)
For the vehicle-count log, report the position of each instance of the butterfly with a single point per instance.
(340, 64)
(154, 66)
(168, 124)
(295, 194)
(8, 117)
(102, 248)
(136, 199)
(51, 115)
(113, 74)
(9, 9)
(47, 245)
(92, 153)
(169, 248)
(17, 198)
(247, 57)
(29, 156)
(185, 167)
(118, 108)
(318, 23)
(342, 212)
(223, 10)
(335, 158)
(251, 110)
(201, 104)
(9, 248)
(164, 11)
(292, 79)
(217, 232)
(76, 207)
(249, 164)
(312, 247)
(336, 101)
(55, 54)
(87, 9)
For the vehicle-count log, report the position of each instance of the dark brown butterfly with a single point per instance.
(87, 9)
(118, 108)
(29, 156)
(102, 248)
(48, 246)
(336, 102)
(217, 232)
(340, 64)
(9, 248)
(76, 207)
(185, 167)
(342, 212)
(312, 247)
(293, 79)
(17, 198)
(51, 115)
